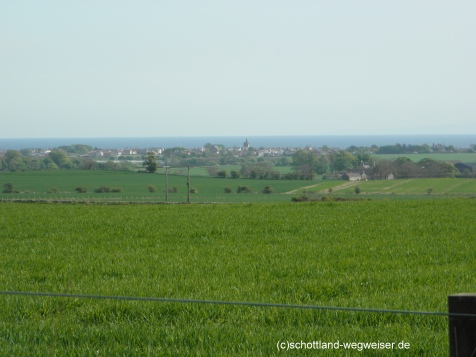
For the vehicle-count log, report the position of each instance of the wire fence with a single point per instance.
(241, 198)
(234, 303)
(150, 199)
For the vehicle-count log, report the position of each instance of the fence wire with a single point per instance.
(235, 303)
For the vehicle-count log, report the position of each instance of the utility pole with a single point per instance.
(188, 185)
(462, 329)
(166, 182)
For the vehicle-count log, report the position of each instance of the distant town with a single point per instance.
(352, 163)
(247, 149)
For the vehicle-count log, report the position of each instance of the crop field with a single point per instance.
(202, 171)
(397, 255)
(438, 186)
(134, 187)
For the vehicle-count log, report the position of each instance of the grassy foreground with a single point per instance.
(404, 255)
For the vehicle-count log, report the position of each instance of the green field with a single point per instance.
(35, 185)
(469, 158)
(202, 171)
(402, 255)
(439, 186)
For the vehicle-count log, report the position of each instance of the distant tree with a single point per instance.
(25, 152)
(212, 147)
(306, 163)
(448, 169)
(227, 190)
(283, 161)
(322, 165)
(244, 189)
(291, 176)
(48, 164)
(357, 189)
(88, 164)
(234, 174)
(365, 158)
(108, 165)
(228, 158)
(382, 169)
(81, 189)
(150, 162)
(212, 171)
(302, 198)
(261, 170)
(8, 188)
(275, 175)
(3, 165)
(175, 151)
(11, 155)
(60, 158)
(221, 173)
(433, 168)
(102, 189)
(342, 160)
(405, 168)
(76, 149)
(268, 189)
(17, 164)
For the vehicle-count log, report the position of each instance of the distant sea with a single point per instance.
(341, 141)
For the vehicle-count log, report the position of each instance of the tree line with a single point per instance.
(308, 163)
(13, 160)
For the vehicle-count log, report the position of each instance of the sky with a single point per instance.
(228, 68)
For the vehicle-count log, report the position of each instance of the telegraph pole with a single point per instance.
(188, 185)
(166, 182)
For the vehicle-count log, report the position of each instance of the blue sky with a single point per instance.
(213, 68)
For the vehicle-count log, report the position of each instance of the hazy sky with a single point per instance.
(205, 68)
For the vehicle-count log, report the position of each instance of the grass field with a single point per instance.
(403, 255)
(469, 158)
(35, 185)
(134, 186)
(202, 171)
(440, 186)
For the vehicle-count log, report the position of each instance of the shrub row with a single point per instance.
(246, 189)
(107, 189)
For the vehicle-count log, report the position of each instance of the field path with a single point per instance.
(450, 188)
(300, 188)
(342, 187)
(397, 184)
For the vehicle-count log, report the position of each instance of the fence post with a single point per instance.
(462, 330)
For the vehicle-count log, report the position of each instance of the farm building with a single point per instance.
(363, 175)
(463, 167)
(354, 175)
